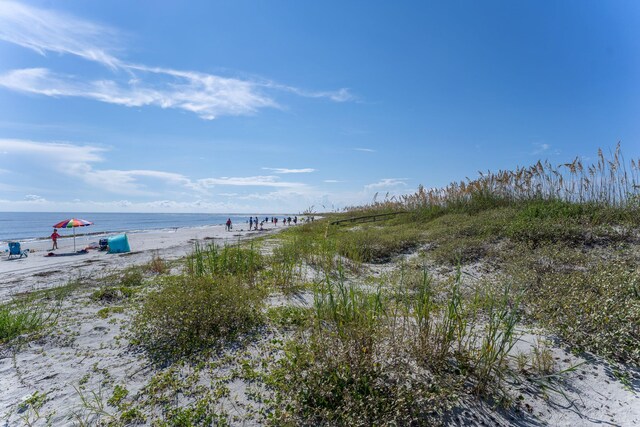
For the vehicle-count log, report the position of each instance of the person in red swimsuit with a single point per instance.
(54, 238)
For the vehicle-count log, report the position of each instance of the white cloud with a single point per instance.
(206, 95)
(78, 161)
(48, 31)
(59, 150)
(285, 171)
(331, 181)
(386, 183)
(252, 181)
(34, 198)
(341, 95)
(366, 150)
(540, 148)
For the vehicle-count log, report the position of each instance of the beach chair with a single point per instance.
(15, 251)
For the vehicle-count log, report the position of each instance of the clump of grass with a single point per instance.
(372, 358)
(215, 300)
(18, 320)
(188, 314)
(112, 294)
(213, 261)
(157, 265)
(285, 265)
(131, 277)
(103, 313)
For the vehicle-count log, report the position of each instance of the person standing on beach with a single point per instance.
(54, 238)
(250, 222)
(228, 224)
(255, 223)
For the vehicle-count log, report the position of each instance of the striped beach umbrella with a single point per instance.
(73, 223)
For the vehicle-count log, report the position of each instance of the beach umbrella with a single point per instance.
(73, 223)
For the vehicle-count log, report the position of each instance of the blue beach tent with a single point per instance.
(118, 244)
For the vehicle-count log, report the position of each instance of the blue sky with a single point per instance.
(277, 106)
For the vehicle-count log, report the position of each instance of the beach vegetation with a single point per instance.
(215, 300)
(412, 313)
(157, 265)
(226, 261)
(16, 320)
(131, 277)
(113, 294)
(105, 312)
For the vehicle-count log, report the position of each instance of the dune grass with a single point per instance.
(407, 346)
(18, 320)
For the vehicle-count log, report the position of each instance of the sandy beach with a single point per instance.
(38, 270)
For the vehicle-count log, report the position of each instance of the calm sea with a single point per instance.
(24, 226)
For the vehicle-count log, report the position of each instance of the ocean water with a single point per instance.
(25, 226)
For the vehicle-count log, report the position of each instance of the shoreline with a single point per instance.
(38, 271)
(113, 224)
(28, 240)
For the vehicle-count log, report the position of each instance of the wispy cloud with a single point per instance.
(35, 198)
(48, 31)
(366, 150)
(247, 181)
(55, 152)
(285, 171)
(78, 161)
(331, 181)
(541, 148)
(386, 183)
(341, 95)
(206, 95)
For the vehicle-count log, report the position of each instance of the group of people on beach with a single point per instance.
(254, 222)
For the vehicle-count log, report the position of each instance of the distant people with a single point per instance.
(250, 222)
(54, 239)
(288, 220)
(295, 220)
(255, 223)
(228, 224)
(275, 221)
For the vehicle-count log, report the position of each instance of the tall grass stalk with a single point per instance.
(610, 181)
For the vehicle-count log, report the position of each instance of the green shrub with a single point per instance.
(15, 321)
(191, 313)
(596, 310)
(112, 294)
(288, 316)
(373, 359)
(132, 277)
(331, 381)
